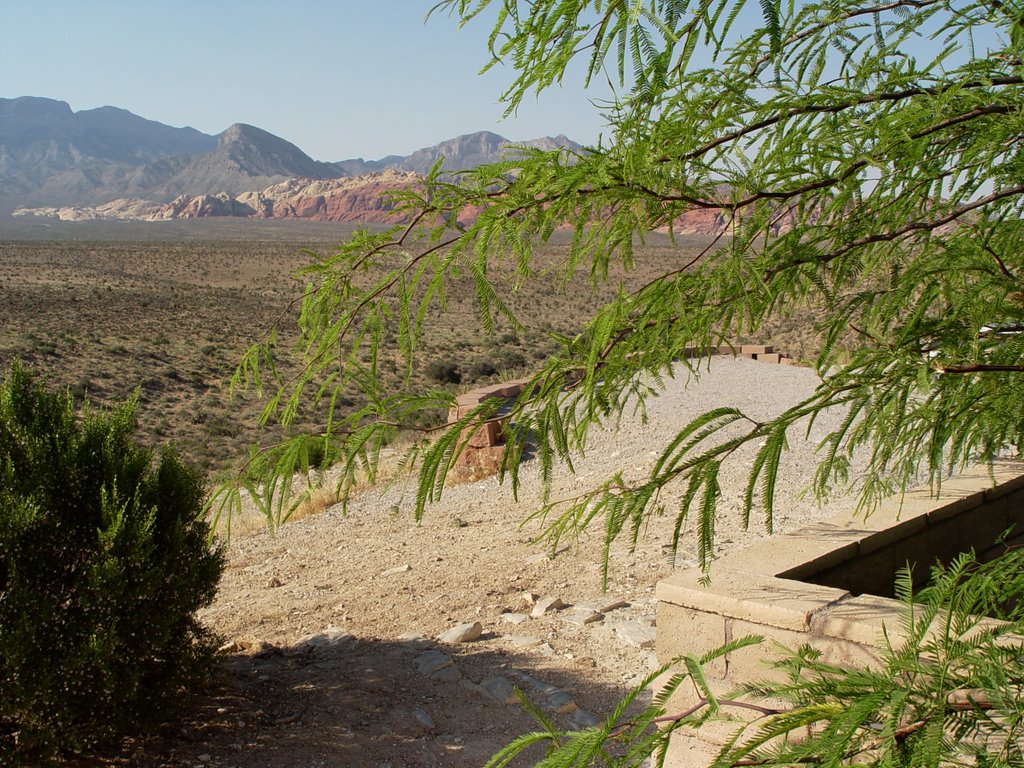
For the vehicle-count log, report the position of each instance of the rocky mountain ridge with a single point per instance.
(108, 162)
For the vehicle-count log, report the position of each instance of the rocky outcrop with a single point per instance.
(360, 199)
(363, 199)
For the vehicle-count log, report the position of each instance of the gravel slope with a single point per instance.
(326, 668)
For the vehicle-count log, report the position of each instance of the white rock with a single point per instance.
(515, 618)
(400, 569)
(546, 605)
(462, 633)
(635, 633)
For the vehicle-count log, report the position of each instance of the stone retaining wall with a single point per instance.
(829, 584)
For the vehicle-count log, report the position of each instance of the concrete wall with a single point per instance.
(828, 584)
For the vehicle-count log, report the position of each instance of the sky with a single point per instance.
(338, 78)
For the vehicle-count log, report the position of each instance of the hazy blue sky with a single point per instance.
(339, 78)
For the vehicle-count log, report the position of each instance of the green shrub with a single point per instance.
(481, 370)
(104, 561)
(443, 372)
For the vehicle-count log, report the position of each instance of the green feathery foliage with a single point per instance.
(866, 162)
(947, 692)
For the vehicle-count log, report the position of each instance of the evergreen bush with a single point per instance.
(104, 561)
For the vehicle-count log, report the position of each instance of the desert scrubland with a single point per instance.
(166, 309)
(330, 622)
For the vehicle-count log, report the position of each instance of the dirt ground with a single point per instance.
(331, 624)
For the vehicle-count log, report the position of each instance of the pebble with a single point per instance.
(546, 605)
(400, 569)
(541, 557)
(432, 661)
(421, 717)
(635, 633)
(462, 633)
(501, 689)
(515, 618)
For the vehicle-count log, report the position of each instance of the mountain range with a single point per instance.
(110, 163)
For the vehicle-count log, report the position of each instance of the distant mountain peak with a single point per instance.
(460, 153)
(246, 132)
(261, 153)
(51, 155)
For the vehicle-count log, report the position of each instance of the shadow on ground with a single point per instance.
(334, 700)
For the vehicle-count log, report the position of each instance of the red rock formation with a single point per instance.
(358, 199)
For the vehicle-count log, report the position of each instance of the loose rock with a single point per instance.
(584, 617)
(501, 689)
(584, 719)
(424, 719)
(546, 605)
(332, 637)
(462, 633)
(432, 661)
(635, 633)
(523, 641)
(447, 675)
(561, 702)
(605, 604)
